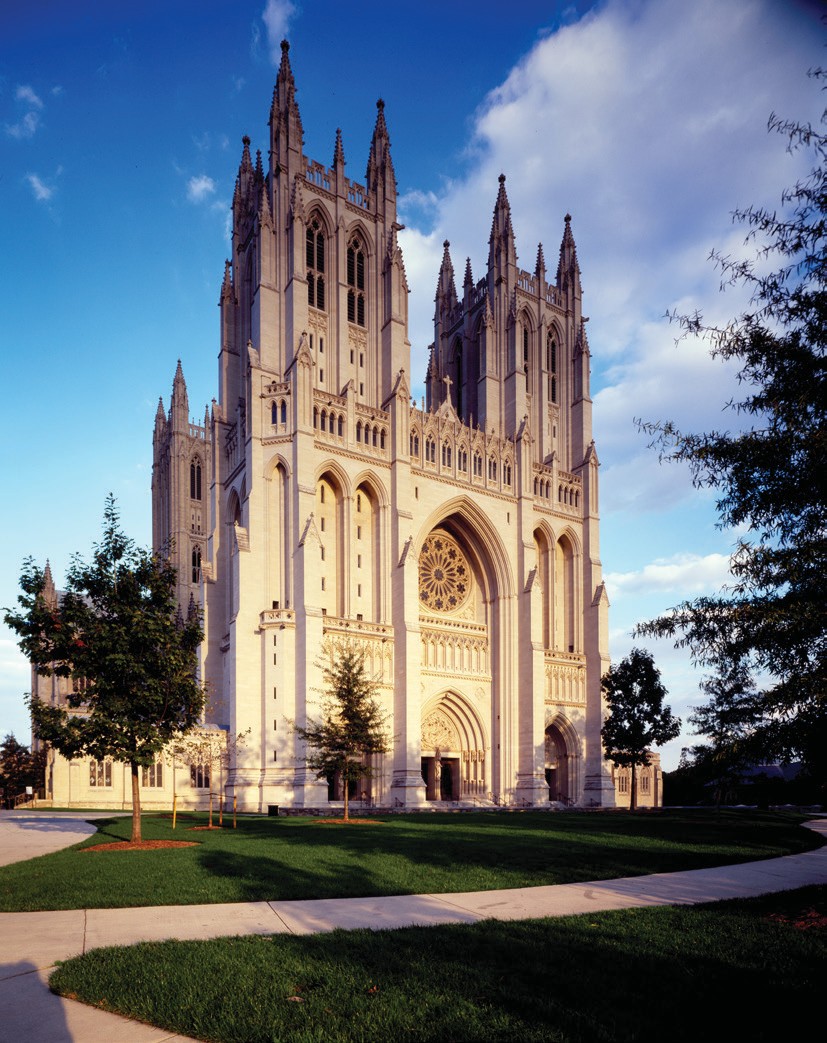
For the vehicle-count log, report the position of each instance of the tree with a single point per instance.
(118, 632)
(770, 477)
(19, 767)
(728, 721)
(637, 717)
(353, 727)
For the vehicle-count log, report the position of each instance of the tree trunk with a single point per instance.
(633, 794)
(136, 805)
(346, 783)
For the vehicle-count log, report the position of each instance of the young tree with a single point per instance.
(19, 767)
(210, 751)
(353, 727)
(118, 631)
(637, 717)
(771, 477)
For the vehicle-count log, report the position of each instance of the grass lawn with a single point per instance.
(288, 858)
(741, 970)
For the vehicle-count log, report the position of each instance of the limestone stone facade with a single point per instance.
(455, 542)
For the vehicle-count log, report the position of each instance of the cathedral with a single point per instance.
(454, 542)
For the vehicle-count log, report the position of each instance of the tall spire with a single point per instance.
(179, 407)
(568, 268)
(380, 165)
(446, 291)
(502, 250)
(286, 132)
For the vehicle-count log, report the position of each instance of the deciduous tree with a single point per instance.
(116, 628)
(638, 719)
(770, 474)
(353, 728)
(19, 767)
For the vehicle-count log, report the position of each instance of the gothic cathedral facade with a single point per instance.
(456, 544)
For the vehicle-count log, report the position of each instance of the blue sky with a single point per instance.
(120, 136)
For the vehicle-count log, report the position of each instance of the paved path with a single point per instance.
(31, 943)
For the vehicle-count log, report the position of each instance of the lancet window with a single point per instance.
(195, 480)
(315, 265)
(551, 365)
(356, 281)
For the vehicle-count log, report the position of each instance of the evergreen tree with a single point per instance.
(353, 727)
(637, 717)
(771, 477)
(728, 721)
(116, 630)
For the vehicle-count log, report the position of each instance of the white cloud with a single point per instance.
(200, 188)
(42, 192)
(26, 127)
(687, 574)
(25, 93)
(276, 17)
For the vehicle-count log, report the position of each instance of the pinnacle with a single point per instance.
(338, 150)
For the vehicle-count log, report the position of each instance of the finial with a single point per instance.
(380, 104)
(445, 245)
(285, 46)
(502, 179)
(245, 141)
(568, 219)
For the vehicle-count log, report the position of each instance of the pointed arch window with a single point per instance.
(196, 564)
(551, 364)
(356, 281)
(195, 480)
(315, 265)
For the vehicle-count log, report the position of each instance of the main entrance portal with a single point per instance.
(453, 751)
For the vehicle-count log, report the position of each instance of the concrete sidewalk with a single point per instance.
(31, 943)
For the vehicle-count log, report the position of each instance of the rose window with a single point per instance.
(444, 574)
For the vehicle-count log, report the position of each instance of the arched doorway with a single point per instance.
(557, 765)
(453, 750)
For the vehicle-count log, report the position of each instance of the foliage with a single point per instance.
(353, 727)
(728, 721)
(770, 477)
(637, 717)
(284, 859)
(19, 767)
(117, 632)
(570, 979)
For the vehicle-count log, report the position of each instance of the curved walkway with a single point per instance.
(31, 943)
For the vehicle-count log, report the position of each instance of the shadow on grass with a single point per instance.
(675, 974)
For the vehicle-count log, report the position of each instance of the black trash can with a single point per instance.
(273, 810)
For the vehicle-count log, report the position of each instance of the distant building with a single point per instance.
(649, 784)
